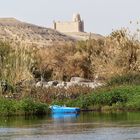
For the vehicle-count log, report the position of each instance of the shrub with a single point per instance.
(128, 79)
(34, 108)
(7, 107)
(10, 107)
(58, 94)
(117, 98)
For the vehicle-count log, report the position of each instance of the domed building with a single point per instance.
(76, 25)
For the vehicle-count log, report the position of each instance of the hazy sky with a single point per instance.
(100, 16)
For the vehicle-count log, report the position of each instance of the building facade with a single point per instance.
(76, 25)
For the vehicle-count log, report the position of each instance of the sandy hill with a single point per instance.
(14, 30)
(84, 35)
(17, 31)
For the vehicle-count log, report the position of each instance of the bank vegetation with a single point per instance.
(113, 60)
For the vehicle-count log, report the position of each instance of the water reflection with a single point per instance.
(89, 125)
(64, 116)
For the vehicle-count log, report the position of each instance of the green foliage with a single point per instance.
(110, 97)
(7, 107)
(129, 79)
(117, 98)
(27, 106)
(83, 102)
(31, 107)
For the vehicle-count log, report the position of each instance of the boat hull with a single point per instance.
(59, 109)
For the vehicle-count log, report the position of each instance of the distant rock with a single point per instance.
(75, 81)
(79, 79)
(52, 83)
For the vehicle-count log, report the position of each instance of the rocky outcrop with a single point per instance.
(79, 79)
(75, 81)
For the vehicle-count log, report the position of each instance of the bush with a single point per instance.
(118, 98)
(24, 107)
(31, 107)
(129, 79)
(52, 94)
(7, 107)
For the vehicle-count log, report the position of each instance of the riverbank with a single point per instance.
(11, 107)
(105, 99)
(33, 78)
(117, 98)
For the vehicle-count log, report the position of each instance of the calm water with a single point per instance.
(86, 126)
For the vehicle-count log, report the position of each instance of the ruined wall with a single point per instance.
(68, 26)
(76, 25)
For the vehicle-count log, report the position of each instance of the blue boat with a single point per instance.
(64, 109)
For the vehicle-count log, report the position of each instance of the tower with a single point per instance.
(76, 18)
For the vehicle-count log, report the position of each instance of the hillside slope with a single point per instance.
(17, 31)
(85, 35)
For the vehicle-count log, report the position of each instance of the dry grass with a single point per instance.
(16, 62)
(58, 94)
(116, 54)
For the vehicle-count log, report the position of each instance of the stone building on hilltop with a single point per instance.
(76, 25)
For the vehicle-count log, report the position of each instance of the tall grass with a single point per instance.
(125, 79)
(115, 54)
(52, 94)
(16, 62)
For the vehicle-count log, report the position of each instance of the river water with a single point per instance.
(85, 126)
